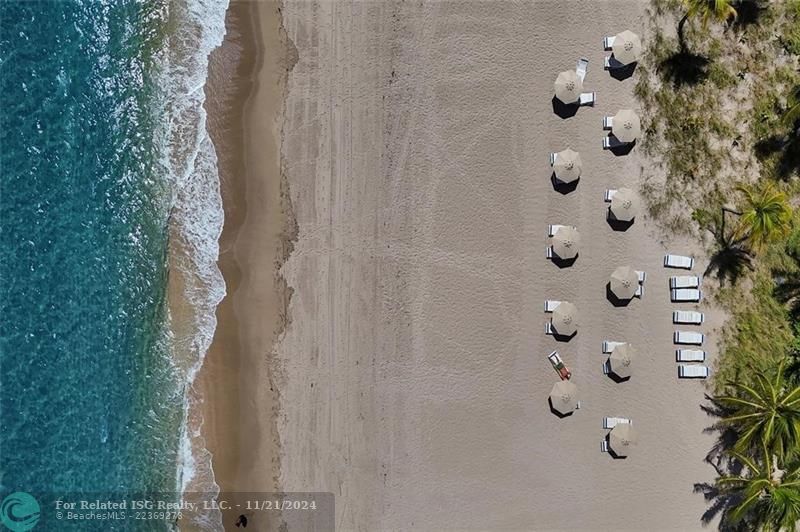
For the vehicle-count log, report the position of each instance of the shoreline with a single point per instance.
(245, 98)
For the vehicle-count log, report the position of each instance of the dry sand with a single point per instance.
(415, 376)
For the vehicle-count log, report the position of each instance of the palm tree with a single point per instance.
(767, 412)
(767, 214)
(707, 10)
(766, 498)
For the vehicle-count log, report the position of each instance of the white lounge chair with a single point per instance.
(642, 276)
(606, 368)
(581, 67)
(609, 346)
(587, 98)
(688, 338)
(550, 305)
(693, 372)
(678, 261)
(552, 228)
(608, 122)
(611, 142)
(690, 317)
(609, 194)
(608, 42)
(684, 281)
(639, 291)
(611, 422)
(685, 295)
(690, 355)
(604, 446)
(548, 327)
(549, 252)
(610, 63)
(553, 157)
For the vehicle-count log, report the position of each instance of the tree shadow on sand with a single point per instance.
(720, 503)
(748, 13)
(788, 147)
(684, 68)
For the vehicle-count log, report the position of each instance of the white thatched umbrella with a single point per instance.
(624, 205)
(564, 397)
(624, 282)
(568, 166)
(566, 242)
(568, 86)
(626, 126)
(627, 47)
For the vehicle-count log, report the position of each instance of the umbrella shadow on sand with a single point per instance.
(611, 452)
(561, 187)
(556, 412)
(565, 110)
(563, 263)
(616, 378)
(623, 72)
(563, 337)
(618, 225)
(613, 299)
(619, 148)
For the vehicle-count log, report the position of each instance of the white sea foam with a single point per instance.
(190, 162)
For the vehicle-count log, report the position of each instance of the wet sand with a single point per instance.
(245, 101)
(414, 371)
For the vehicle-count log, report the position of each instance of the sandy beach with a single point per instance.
(245, 99)
(411, 380)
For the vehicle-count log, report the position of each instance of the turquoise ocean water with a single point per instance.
(102, 146)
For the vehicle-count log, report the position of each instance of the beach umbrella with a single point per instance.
(626, 126)
(564, 397)
(568, 166)
(624, 205)
(627, 47)
(565, 319)
(566, 242)
(624, 282)
(620, 360)
(568, 86)
(622, 439)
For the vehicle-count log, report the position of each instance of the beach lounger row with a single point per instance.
(685, 295)
(678, 261)
(689, 317)
(611, 142)
(609, 62)
(553, 228)
(581, 67)
(587, 98)
(609, 346)
(688, 338)
(611, 422)
(550, 305)
(684, 281)
(693, 371)
(690, 355)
